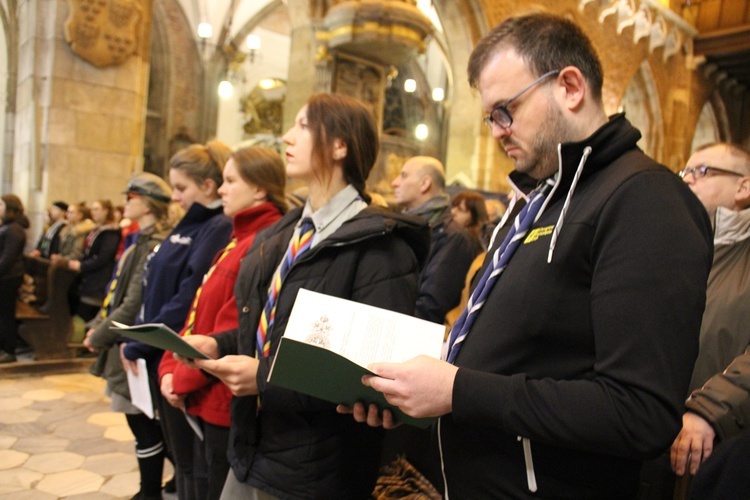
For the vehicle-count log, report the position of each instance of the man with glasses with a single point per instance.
(572, 361)
(719, 174)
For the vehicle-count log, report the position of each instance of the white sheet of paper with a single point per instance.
(194, 424)
(140, 394)
(362, 333)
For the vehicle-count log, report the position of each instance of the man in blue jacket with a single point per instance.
(571, 364)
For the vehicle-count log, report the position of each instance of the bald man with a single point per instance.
(719, 175)
(420, 190)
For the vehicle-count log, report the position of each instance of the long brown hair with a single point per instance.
(13, 207)
(264, 168)
(336, 116)
(110, 208)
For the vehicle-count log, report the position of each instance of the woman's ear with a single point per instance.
(339, 150)
(209, 188)
(261, 195)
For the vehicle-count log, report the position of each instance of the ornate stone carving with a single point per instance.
(104, 32)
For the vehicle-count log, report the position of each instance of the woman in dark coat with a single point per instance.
(12, 242)
(99, 256)
(282, 443)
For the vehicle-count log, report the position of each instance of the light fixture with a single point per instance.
(205, 31)
(226, 89)
(438, 94)
(269, 83)
(421, 132)
(410, 85)
(252, 42)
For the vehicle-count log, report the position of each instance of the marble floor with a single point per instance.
(59, 439)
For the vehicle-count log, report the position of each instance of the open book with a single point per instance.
(329, 342)
(158, 335)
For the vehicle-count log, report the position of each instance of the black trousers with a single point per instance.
(8, 322)
(211, 462)
(179, 437)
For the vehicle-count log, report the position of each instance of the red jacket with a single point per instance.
(217, 312)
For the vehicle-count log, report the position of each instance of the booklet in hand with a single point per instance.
(158, 335)
(329, 342)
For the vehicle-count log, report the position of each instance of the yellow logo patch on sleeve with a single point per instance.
(537, 233)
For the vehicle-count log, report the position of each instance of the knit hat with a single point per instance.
(61, 205)
(147, 184)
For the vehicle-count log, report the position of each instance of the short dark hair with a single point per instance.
(337, 116)
(546, 42)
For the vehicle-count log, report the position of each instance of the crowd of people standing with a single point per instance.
(576, 335)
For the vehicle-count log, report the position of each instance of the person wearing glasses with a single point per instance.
(719, 175)
(571, 363)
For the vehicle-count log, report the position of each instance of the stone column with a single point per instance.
(79, 124)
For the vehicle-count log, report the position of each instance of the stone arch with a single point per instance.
(707, 129)
(178, 106)
(641, 105)
(469, 153)
(8, 93)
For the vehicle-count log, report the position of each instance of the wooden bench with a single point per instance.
(47, 324)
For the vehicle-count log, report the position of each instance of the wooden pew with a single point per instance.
(47, 324)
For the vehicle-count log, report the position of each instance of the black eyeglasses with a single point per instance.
(500, 115)
(703, 170)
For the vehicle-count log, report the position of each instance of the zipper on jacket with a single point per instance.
(529, 461)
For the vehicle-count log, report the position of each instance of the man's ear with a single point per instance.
(572, 86)
(742, 196)
(425, 184)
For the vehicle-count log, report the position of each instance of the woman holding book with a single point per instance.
(173, 274)
(283, 443)
(147, 203)
(253, 196)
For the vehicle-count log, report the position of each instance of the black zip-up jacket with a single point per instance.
(297, 446)
(577, 367)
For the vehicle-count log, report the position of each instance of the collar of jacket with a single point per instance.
(731, 227)
(607, 144)
(151, 233)
(370, 222)
(199, 213)
(433, 209)
(250, 220)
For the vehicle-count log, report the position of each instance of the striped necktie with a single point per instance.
(297, 246)
(191, 315)
(500, 260)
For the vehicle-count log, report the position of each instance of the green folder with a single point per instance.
(158, 335)
(322, 373)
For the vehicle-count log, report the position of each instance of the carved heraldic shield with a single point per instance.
(104, 32)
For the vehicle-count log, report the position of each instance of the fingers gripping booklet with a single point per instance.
(329, 342)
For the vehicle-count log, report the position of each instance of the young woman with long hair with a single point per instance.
(13, 225)
(147, 201)
(172, 275)
(282, 443)
(98, 260)
(253, 196)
